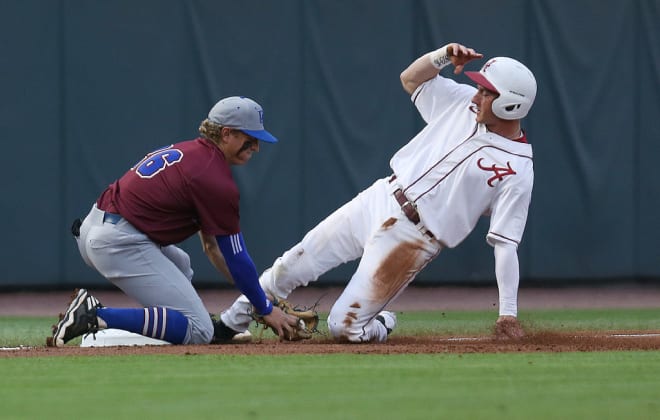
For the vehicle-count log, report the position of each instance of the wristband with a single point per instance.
(439, 58)
(267, 310)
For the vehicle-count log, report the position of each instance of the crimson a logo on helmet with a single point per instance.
(491, 61)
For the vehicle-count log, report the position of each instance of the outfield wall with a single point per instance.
(89, 87)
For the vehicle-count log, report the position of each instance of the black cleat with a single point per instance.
(79, 318)
(222, 334)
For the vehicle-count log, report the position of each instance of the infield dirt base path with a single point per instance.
(413, 299)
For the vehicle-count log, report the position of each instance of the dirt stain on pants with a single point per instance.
(396, 270)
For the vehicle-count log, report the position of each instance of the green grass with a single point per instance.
(603, 385)
(481, 322)
(599, 385)
(27, 331)
(15, 331)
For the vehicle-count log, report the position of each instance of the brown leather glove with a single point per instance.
(307, 324)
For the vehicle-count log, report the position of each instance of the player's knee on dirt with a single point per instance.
(341, 333)
(343, 328)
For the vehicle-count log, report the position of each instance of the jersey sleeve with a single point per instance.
(219, 217)
(507, 272)
(243, 271)
(509, 211)
(216, 200)
(436, 95)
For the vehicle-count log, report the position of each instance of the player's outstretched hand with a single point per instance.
(283, 324)
(460, 55)
(507, 327)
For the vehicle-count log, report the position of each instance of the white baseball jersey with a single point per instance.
(457, 172)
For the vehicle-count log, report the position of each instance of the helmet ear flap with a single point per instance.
(507, 110)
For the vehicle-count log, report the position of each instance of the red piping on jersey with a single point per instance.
(441, 159)
(504, 237)
(521, 139)
(461, 162)
(457, 165)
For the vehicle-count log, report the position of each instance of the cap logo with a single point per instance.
(488, 64)
(243, 114)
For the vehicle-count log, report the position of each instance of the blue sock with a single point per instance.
(156, 322)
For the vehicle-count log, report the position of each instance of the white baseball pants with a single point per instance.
(371, 226)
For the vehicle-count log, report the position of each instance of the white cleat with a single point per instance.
(244, 337)
(388, 319)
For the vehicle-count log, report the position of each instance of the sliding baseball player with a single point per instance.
(472, 159)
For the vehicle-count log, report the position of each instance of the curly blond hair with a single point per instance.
(210, 130)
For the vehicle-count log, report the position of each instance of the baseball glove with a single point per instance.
(308, 320)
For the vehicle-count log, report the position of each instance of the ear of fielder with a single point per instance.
(472, 159)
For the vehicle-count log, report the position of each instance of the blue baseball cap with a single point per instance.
(242, 114)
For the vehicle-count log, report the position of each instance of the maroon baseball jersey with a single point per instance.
(176, 191)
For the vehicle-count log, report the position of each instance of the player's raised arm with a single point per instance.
(427, 66)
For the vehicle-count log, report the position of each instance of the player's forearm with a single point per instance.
(244, 271)
(427, 66)
(246, 280)
(508, 277)
(417, 73)
(424, 68)
(210, 247)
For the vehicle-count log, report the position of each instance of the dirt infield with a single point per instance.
(413, 299)
(539, 342)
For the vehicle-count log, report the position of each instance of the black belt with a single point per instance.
(409, 208)
(111, 218)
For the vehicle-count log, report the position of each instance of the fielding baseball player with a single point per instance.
(471, 159)
(171, 194)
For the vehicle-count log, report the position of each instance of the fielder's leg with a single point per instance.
(158, 278)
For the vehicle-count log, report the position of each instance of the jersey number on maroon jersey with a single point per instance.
(157, 161)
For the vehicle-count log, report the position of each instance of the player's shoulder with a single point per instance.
(198, 149)
(441, 87)
(201, 156)
(497, 143)
(192, 144)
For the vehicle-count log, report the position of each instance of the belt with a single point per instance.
(111, 218)
(409, 209)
